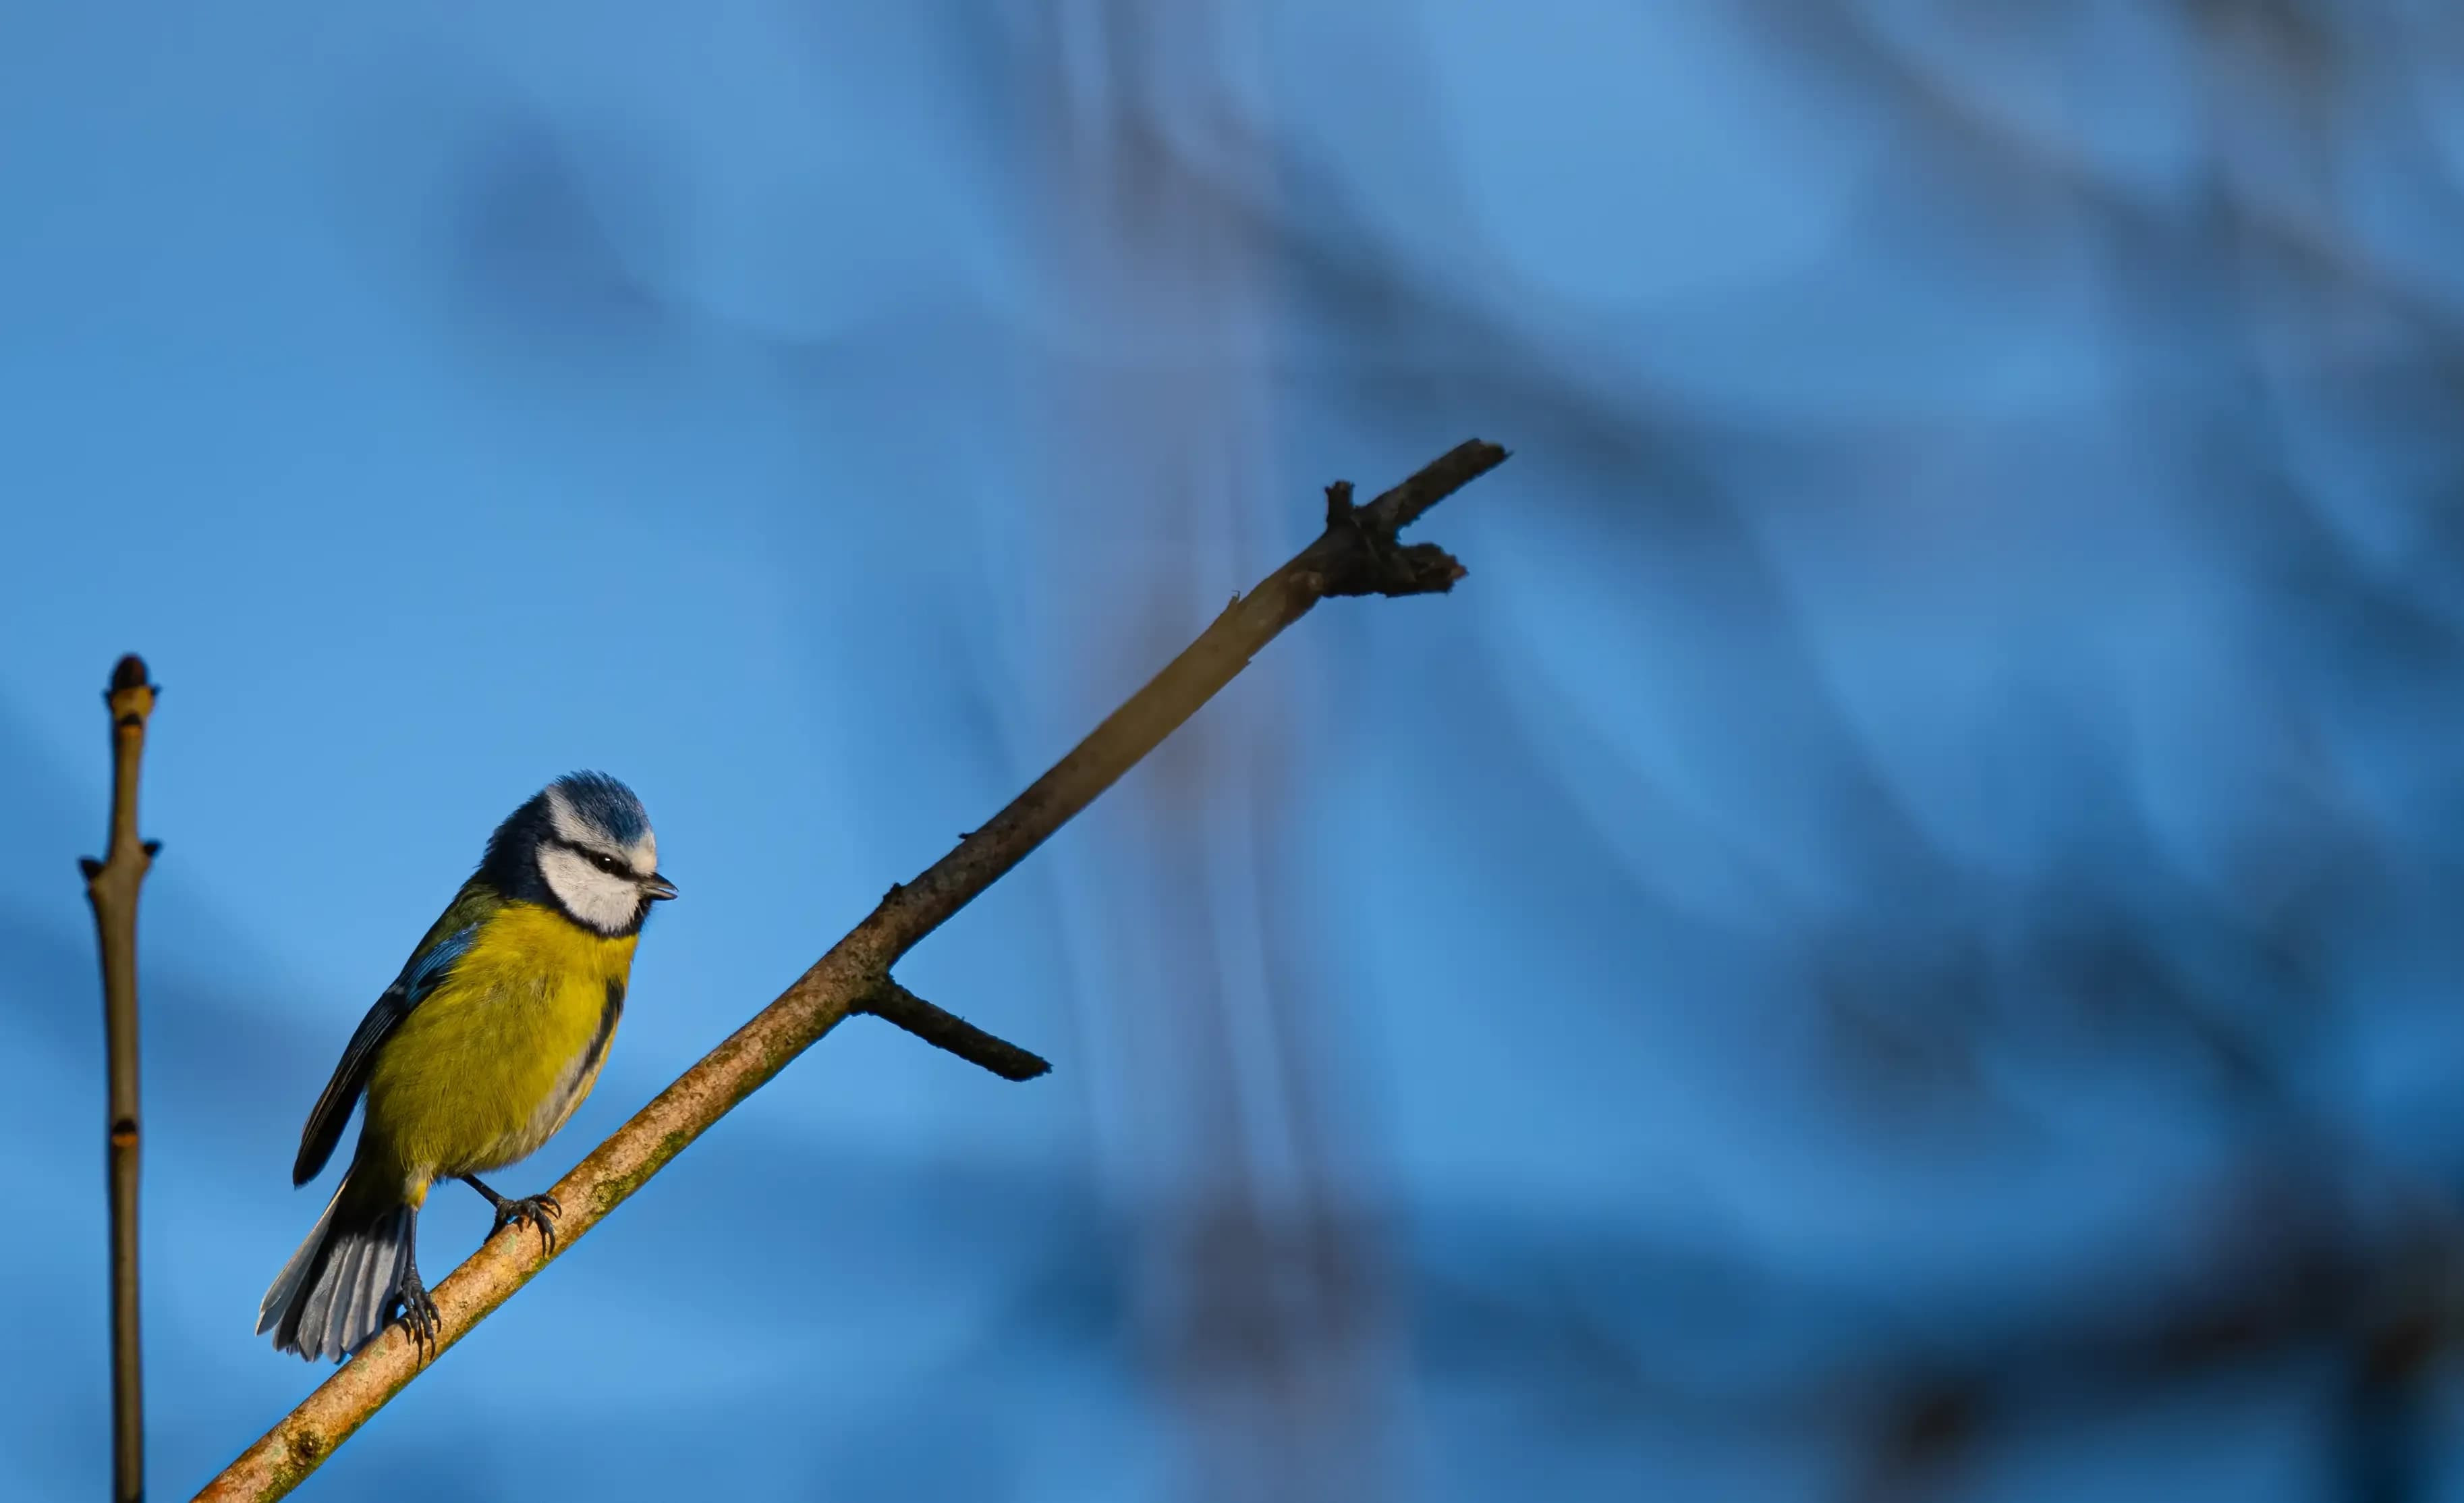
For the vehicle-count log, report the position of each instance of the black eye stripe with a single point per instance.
(597, 858)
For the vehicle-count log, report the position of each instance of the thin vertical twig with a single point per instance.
(111, 886)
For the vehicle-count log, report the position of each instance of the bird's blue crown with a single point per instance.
(605, 805)
(599, 800)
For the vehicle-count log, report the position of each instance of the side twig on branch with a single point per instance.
(1358, 554)
(894, 1004)
(111, 886)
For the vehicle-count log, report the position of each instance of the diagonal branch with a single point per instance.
(1357, 554)
(111, 886)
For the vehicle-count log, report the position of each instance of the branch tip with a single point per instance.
(1359, 552)
(1441, 477)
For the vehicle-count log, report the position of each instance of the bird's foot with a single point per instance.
(418, 1320)
(536, 1212)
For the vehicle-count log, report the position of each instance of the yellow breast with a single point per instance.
(488, 1066)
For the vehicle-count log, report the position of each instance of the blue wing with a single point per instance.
(427, 969)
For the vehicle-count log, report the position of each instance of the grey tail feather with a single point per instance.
(338, 1289)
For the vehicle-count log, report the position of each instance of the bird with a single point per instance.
(489, 1038)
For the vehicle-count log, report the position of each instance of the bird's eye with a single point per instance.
(603, 861)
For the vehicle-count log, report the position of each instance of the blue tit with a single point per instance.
(473, 1057)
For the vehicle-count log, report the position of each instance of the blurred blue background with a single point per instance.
(1896, 938)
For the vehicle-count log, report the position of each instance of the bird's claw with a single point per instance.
(418, 1320)
(536, 1212)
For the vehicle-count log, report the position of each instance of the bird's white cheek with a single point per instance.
(598, 899)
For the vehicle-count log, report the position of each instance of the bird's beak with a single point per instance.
(658, 887)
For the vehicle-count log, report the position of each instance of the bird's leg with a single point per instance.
(418, 1320)
(538, 1211)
